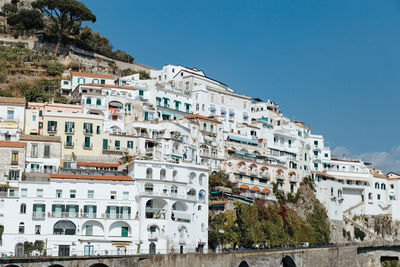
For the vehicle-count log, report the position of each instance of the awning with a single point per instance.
(240, 153)
(241, 162)
(263, 120)
(292, 173)
(255, 188)
(231, 112)
(266, 190)
(181, 215)
(328, 163)
(279, 170)
(213, 109)
(242, 139)
(223, 111)
(167, 113)
(245, 115)
(121, 242)
(244, 186)
(217, 205)
(176, 101)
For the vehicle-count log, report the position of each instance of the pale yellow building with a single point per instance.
(81, 134)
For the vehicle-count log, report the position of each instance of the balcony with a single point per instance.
(38, 215)
(64, 215)
(88, 215)
(70, 145)
(117, 216)
(13, 162)
(87, 146)
(52, 129)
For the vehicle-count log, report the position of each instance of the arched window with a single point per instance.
(64, 227)
(202, 227)
(174, 175)
(383, 186)
(22, 208)
(162, 174)
(98, 102)
(370, 196)
(174, 190)
(191, 193)
(149, 173)
(88, 101)
(21, 228)
(376, 185)
(201, 178)
(202, 195)
(191, 177)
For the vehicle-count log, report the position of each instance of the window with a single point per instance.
(24, 192)
(22, 208)
(98, 129)
(88, 128)
(65, 82)
(117, 145)
(326, 155)
(87, 142)
(130, 144)
(33, 117)
(103, 81)
(98, 102)
(127, 107)
(69, 126)
(69, 141)
(141, 92)
(316, 143)
(10, 114)
(315, 153)
(8, 137)
(52, 126)
(37, 229)
(13, 174)
(40, 113)
(39, 192)
(58, 193)
(72, 193)
(379, 196)
(21, 228)
(105, 143)
(14, 158)
(316, 165)
(90, 194)
(89, 230)
(34, 150)
(125, 195)
(46, 151)
(113, 195)
(88, 101)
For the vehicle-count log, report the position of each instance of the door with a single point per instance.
(19, 250)
(88, 250)
(63, 250)
(181, 249)
(124, 231)
(152, 248)
(113, 212)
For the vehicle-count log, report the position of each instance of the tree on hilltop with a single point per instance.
(64, 14)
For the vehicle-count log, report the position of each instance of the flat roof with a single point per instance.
(90, 177)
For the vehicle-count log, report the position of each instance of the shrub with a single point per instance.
(54, 68)
(358, 233)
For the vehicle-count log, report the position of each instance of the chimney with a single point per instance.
(344, 156)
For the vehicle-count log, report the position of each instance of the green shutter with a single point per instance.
(91, 128)
(98, 102)
(105, 143)
(48, 125)
(85, 209)
(124, 231)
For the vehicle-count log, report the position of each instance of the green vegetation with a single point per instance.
(38, 91)
(220, 178)
(390, 263)
(142, 74)
(54, 68)
(64, 14)
(38, 245)
(23, 21)
(358, 233)
(270, 222)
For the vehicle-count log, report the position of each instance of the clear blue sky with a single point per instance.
(333, 64)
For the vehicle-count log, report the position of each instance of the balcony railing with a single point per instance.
(126, 216)
(38, 215)
(64, 214)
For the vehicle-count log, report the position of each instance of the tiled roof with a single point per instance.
(108, 86)
(12, 144)
(378, 175)
(45, 138)
(251, 126)
(197, 116)
(91, 177)
(94, 75)
(97, 164)
(12, 100)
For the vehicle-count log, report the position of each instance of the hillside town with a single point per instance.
(124, 167)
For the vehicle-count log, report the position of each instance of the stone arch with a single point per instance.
(192, 176)
(202, 178)
(12, 265)
(163, 174)
(243, 264)
(19, 250)
(99, 265)
(202, 195)
(64, 227)
(56, 265)
(288, 261)
(155, 208)
(149, 173)
(116, 229)
(97, 228)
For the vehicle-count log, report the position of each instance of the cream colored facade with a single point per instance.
(81, 134)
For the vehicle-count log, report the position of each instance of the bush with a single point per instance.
(54, 68)
(3, 76)
(358, 233)
(5, 93)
